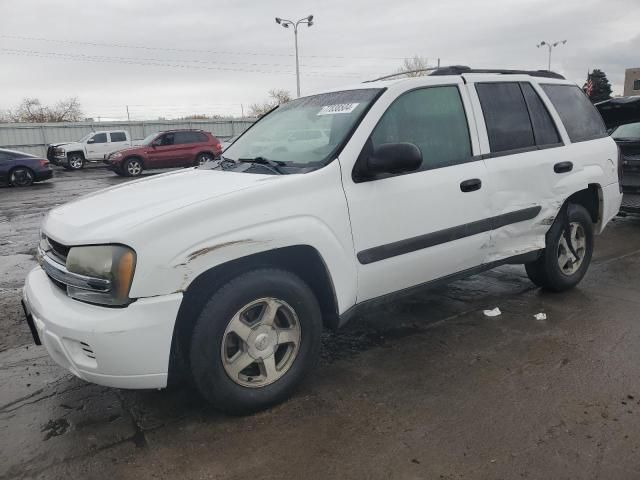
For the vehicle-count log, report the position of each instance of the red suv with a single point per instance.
(173, 148)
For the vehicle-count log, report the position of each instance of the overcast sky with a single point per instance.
(170, 58)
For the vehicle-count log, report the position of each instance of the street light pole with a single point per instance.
(550, 46)
(308, 20)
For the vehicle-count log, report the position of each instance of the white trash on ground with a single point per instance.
(493, 313)
(540, 316)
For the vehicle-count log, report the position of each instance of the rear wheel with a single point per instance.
(21, 177)
(568, 251)
(203, 158)
(132, 167)
(75, 161)
(255, 340)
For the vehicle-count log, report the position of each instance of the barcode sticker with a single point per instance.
(338, 108)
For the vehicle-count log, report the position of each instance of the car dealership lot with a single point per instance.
(426, 388)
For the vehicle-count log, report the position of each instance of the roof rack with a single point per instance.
(460, 69)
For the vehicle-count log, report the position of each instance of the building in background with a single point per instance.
(632, 81)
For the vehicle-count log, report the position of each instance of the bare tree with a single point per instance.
(410, 66)
(276, 97)
(31, 110)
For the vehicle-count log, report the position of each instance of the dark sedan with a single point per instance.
(21, 169)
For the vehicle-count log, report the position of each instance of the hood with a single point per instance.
(107, 215)
(60, 144)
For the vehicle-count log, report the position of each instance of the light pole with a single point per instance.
(550, 46)
(288, 23)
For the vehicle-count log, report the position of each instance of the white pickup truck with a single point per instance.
(91, 148)
(228, 272)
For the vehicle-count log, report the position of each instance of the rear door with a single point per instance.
(524, 153)
(118, 141)
(185, 145)
(415, 227)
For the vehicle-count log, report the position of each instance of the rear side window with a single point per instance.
(544, 130)
(189, 137)
(579, 116)
(433, 119)
(506, 116)
(118, 137)
(100, 138)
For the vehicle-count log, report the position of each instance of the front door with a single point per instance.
(412, 228)
(162, 153)
(97, 146)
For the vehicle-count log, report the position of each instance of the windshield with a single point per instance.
(304, 131)
(631, 130)
(149, 138)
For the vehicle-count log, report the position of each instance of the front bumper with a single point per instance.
(116, 347)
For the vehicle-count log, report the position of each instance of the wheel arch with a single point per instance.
(139, 157)
(77, 151)
(302, 260)
(591, 198)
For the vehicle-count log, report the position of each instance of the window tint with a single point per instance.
(100, 138)
(118, 137)
(579, 116)
(182, 137)
(506, 116)
(4, 156)
(167, 139)
(636, 84)
(431, 118)
(544, 130)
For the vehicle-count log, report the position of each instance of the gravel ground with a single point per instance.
(426, 388)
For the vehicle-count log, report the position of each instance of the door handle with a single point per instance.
(563, 167)
(471, 185)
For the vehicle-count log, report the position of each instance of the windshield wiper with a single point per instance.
(273, 164)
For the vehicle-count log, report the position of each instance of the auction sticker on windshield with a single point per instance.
(339, 108)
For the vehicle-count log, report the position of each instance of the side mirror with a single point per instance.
(91, 140)
(155, 143)
(394, 158)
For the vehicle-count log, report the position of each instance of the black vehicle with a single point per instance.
(21, 169)
(622, 117)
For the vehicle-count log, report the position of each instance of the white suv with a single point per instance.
(228, 273)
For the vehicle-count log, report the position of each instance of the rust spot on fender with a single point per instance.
(203, 251)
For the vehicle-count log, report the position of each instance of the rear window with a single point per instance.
(118, 137)
(506, 116)
(579, 116)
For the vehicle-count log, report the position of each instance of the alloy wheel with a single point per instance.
(567, 261)
(75, 162)
(21, 177)
(261, 342)
(134, 168)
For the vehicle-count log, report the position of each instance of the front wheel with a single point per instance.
(132, 167)
(568, 251)
(75, 161)
(255, 340)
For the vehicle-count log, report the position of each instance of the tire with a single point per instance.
(557, 269)
(118, 171)
(75, 161)
(202, 158)
(132, 167)
(216, 344)
(21, 177)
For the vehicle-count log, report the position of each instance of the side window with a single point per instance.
(432, 118)
(100, 138)
(636, 84)
(167, 139)
(579, 116)
(118, 137)
(506, 116)
(544, 130)
(181, 138)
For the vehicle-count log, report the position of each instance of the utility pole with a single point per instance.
(128, 118)
(288, 23)
(550, 46)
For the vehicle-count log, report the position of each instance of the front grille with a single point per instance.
(58, 250)
(51, 153)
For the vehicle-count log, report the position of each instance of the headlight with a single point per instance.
(114, 263)
(115, 155)
(60, 151)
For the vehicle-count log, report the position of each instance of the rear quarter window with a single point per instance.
(118, 137)
(580, 118)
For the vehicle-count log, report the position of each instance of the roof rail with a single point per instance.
(460, 69)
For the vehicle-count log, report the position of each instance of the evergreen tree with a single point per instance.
(601, 89)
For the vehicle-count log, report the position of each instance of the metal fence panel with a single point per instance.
(34, 137)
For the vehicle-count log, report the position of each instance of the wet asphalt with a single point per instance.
(425, 388)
